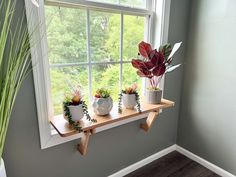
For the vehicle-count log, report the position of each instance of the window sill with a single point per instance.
(63, 128)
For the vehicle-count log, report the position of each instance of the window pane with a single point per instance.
(133, 34)
(61, 81)
(129, 3)
(106, 76)
(129, 76)
(66, 34)
(105, 36)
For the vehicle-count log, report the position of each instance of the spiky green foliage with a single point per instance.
(15, 62)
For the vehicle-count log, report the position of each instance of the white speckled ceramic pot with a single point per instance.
(76, 112)
(2, 169)
(102, 106)
(129, 101)
(153, 96)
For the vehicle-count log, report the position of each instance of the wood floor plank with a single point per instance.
(163, 166)
(192, 169)
(173, 165)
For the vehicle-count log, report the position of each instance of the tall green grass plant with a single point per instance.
(15, 62)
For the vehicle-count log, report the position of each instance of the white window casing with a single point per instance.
(99, 6)
(157, 33)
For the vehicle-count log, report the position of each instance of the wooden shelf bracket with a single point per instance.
(149, 121)
(83, 145)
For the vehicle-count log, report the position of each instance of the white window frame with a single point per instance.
(158, 10)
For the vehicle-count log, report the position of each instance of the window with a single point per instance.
(91, 48)
(90, 43)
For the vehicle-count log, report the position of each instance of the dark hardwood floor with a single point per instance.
(173, 165)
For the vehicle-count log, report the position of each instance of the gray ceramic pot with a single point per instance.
(153, 96)
(102, 106)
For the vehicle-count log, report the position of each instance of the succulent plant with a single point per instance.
(74, 97)
(131, 89)
(102, 93)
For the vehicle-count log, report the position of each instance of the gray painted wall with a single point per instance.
(207, 125)
(109, 151)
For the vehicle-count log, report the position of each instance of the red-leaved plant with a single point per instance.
(154, 64)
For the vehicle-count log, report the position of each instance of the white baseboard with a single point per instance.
(143, 162)
(166, 151)
(204, 162)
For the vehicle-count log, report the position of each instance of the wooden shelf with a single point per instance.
(64, 129)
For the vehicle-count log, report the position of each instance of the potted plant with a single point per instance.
(130, 98)
(75, 108)
(15, 65)
(74, 103)
(102, 102)
(153, 64)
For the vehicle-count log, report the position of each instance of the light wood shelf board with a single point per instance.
(64, 129)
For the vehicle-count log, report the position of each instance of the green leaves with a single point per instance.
(102, 93)
(119, 103)
(74, 124)
(15, 62)
(165, 50)
(67, 114)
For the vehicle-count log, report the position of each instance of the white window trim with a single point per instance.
(35, 17)
(99, 5)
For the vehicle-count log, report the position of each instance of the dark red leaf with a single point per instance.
(152, 53)
(140, 64)
(159, 70)
(137, 63)
(149, 65)
(157, 58)
(144, 49)
(144, 73)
